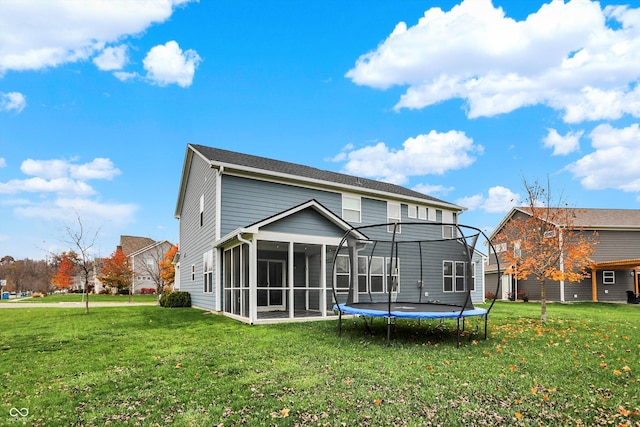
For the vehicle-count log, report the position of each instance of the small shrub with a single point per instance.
(489, 295)
(147, 291)
(175, 299)
(36, 295)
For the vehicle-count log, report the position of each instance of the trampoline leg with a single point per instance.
(339, 323)
(458, 334)
(486, 316)
(388, 330)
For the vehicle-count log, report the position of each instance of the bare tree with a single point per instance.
(82, 241)
(25, 274)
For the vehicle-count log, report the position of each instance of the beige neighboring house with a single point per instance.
(144, 254)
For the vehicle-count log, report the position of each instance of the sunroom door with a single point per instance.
(271, 285)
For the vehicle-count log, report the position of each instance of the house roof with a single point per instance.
(131, 244)
(277, 169)
(588, 218)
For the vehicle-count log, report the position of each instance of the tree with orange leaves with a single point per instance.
(544, 243)
(167, 269)
(63, 279)
(116, 271)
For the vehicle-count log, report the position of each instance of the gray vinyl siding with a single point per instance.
(247, 201)
(616, 245)
(308, 222)
(194, 239)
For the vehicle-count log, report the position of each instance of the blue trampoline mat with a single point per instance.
(409, 310)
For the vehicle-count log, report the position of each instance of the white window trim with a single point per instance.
(207, 272)
(412, 211)
(423, 212)
(608, 277)
(393, 219)
(351, 197)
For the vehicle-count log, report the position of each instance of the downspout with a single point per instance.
(252, 287)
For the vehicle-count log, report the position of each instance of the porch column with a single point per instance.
(635, 279)
(253, 281)
(594, 286)
(290, 282)
(323, 280)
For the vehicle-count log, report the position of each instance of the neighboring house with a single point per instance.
(616, 257)
(257, 236)
(143, 254)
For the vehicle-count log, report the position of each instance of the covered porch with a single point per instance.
(280, 269)
(627, 264)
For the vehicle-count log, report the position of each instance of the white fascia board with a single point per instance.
(243, 171)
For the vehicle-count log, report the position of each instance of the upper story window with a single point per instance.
(351, 208)
(412, 211)
(423, 212)
(201, 210)
(393, 217)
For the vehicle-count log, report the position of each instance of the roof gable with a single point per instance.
(311, 204)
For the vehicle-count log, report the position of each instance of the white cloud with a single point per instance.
(167, 64)
(12, 101)
(123, 76)
(615, 163)
(432, 189)
(432, 153)
(60, 176)
(562, 145)
(563, 56)
(63, 209)
(38, 34)
(498, 200)
(112, 58)
(3, 162)
(41, 185)
(471, 202)
(98, 168)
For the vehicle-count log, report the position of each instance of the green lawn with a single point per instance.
(53, 298)
(150, 366)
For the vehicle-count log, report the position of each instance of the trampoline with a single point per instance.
(420, 270)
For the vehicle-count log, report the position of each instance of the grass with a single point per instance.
(150, 366)
(57, 298)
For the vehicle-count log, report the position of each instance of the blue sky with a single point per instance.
(460, 100)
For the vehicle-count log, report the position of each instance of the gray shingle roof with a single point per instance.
(226, 157)
(603, 218)
(131, 244)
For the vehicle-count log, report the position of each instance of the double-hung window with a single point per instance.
(454, 276)
(207, 269)
(393, 217)
(351, 208)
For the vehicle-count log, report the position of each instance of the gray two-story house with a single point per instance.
(257, 236)
(616, 259)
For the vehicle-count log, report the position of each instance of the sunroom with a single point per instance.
(279, 269)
